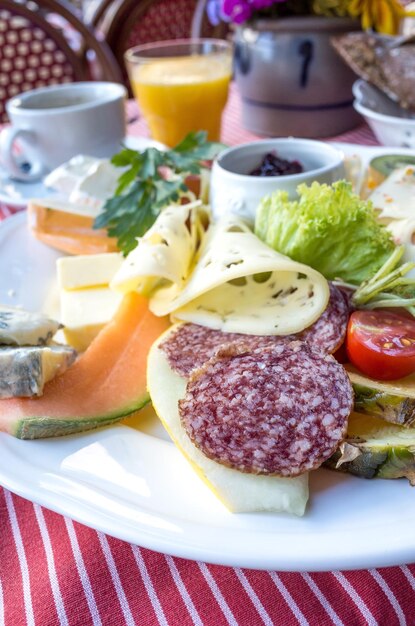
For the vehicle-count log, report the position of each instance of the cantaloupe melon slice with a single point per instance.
(106, 383)
(239, 492)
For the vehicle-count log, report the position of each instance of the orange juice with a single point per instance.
(182, 94)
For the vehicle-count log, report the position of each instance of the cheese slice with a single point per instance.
(24, 328)
(395, 197)
(66, 221)
(87, 270)
(239, 492)
(69, 231)
(62, 205)
(239, 284)
(25, 370)
(165, 252)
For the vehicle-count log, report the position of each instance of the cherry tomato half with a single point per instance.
(381, 344)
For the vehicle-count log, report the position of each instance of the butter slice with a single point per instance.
(88, 270)
(84, 184)
(85, 312)
(87, 302)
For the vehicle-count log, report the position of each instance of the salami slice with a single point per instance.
(279, 410)
(329, 331)
(191, 345)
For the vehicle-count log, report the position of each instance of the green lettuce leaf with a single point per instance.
(329, 228)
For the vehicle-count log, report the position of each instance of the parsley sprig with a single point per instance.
(143, 189)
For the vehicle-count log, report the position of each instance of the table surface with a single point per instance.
(54, 571)
(232, 131)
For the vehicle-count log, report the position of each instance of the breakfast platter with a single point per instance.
(129, 480)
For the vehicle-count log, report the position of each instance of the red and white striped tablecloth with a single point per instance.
(56, 572)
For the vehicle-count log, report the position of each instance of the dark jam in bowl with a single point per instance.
(273, 165)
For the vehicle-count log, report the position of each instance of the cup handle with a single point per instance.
(7, 138)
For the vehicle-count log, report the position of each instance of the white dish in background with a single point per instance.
(233, 189)
(16, 194)
(391, 124)
(132, 483)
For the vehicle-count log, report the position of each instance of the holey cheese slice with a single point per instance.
(238, 491)
(165, 252)
(239, 284)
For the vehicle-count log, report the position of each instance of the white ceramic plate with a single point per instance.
(16, 194)
(132, 483)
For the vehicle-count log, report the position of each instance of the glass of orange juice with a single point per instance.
(181, 86)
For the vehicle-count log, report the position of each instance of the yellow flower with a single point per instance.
(330, 7)
(382, 15)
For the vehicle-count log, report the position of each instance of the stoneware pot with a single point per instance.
(291, 80)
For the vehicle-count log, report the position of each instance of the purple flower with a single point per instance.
(237, 11)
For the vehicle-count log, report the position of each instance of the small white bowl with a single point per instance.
(391, 124)
(234, 190)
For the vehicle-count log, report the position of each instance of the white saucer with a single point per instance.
(15, 194)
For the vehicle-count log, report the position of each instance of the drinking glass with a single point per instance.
(181, 86)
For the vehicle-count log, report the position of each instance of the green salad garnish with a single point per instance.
(333, 230)
(329, 228)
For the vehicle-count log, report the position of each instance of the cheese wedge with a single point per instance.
(25, 370)
(66, 221)
(238, 491)
(69, 231)
(24, 328)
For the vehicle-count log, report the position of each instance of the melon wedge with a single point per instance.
(106, 383)
(239, 492)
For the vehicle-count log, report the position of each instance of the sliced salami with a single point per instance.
(329, 331)
(191, 345)
(277, 410)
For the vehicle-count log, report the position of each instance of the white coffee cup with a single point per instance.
(53, 124)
